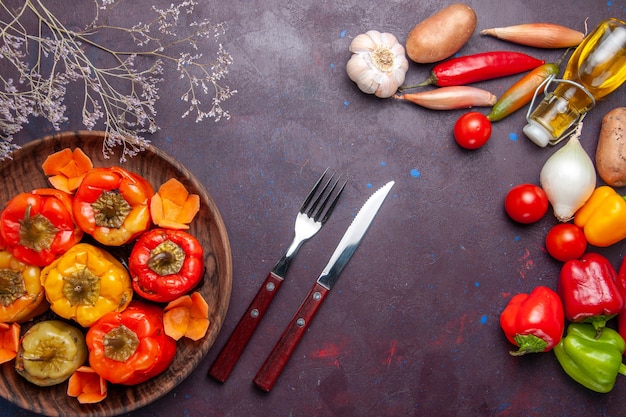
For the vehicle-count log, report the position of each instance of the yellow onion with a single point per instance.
(568, 178)
(378, 63)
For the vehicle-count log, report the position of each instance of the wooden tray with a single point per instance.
(23, 173)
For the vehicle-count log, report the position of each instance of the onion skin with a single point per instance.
(568, 178)
(538, 35)
(451, 98)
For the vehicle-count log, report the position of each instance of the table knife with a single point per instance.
(278, 358)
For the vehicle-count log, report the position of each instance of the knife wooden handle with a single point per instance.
(278, 358)
(232, 350)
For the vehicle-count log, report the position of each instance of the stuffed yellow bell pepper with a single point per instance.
(85, 283)
(603, 217)
(21, 292)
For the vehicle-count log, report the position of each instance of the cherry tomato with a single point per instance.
(526, 203)
(566, 241)
(472, 130)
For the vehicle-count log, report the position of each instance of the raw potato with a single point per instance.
(611, 150)
(442, 34)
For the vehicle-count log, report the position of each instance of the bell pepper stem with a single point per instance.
(528, 343)
(599, 322)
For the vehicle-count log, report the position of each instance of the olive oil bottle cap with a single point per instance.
(537, 133)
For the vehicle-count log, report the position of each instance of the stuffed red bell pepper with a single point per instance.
(130, 346)
(534, 322)
(165, 264)
(589, 289)
(38, 227)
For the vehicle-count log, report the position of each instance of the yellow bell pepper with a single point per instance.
(603, 217)
(21, 293)
(86, 283)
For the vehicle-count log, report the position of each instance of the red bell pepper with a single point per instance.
(38, 227)
(621, 316)
(130, 347)
(165, 264)
(534, 322)
(589, 289)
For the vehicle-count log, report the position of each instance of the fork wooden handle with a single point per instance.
(232, 350)
(278, 358)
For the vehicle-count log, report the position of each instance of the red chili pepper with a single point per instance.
(589, 289)
(130, 347)
(38, 227)
(534, 322)
(165, 264)
(479, 67)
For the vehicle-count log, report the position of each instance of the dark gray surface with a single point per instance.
(412, 326)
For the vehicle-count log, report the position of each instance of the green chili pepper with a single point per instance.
(593, 363)
(522, 91)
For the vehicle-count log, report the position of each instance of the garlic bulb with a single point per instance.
(378, 64)
(568, 178)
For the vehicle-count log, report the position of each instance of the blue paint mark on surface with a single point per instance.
(346, 104)
(483, 319)
(513, 136)
(477, 284)
(369, 185)
(383, 163)
(415, 173)
(343, 33)
(517, 238)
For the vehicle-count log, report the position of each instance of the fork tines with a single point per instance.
(323, 192)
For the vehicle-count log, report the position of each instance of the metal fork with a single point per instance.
(313, 213)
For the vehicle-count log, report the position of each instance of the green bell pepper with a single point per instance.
(593, 363)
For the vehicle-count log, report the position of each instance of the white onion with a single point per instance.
(568, 178)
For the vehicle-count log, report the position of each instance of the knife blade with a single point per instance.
(271, 369)
(247, 325)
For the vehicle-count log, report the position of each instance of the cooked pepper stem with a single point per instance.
(82, 287)
(111, 209)
(36, 232)
(167, 258)
(12, 286)
(120, 343)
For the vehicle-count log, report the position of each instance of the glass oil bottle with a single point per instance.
(596, 68)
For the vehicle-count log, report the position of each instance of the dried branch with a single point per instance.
(37, 66)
